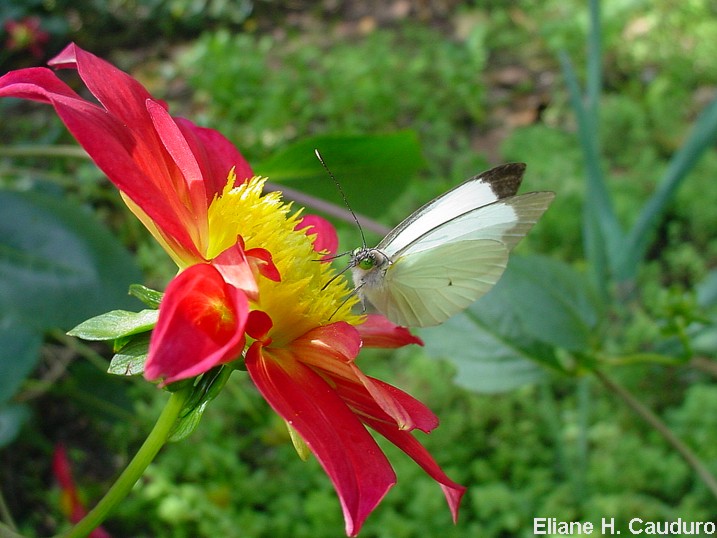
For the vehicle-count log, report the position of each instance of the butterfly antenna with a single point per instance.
(353, 292)
(337, 275)
(343, 195)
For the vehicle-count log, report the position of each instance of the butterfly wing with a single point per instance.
(454, 249)
(481, 190)
(427, 287)
(507, 220)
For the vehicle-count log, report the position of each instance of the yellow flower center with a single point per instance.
(297, 303)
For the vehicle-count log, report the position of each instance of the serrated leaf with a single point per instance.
(130, 360)
(369, 167)
(116, 324)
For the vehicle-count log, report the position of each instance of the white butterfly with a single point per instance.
(449, 252)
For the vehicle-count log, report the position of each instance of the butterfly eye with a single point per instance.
(367, 263)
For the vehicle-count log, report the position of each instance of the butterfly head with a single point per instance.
(368, 265)
(368, 259)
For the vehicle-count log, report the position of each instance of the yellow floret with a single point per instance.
(297, 303)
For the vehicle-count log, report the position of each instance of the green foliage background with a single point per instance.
(560, 448)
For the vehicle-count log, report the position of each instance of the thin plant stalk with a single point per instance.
(653, 420)
(133, 472)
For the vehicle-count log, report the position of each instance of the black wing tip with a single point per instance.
(504, 179)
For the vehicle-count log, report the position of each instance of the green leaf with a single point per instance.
(12, 417)
(702, 136)
(487, 354)
(116, 324)
(19, 353)
(58, 265)
(603, 236)
(148, 296)
(369, 168)
(207, 388)
(130, 360)
(500, 342)
(555, 303)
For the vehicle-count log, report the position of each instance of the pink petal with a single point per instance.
(416, 451)
(201, 324)
(325, 237)
(331, 348)
(377, 331)
(336, 342)
(354, 462)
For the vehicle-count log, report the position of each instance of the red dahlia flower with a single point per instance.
(250, 287)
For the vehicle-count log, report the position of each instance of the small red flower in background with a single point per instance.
(71, 504)
(26, 34)
(250, 287)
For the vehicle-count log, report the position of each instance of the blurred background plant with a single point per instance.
(615, 113)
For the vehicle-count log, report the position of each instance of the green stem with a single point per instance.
(653, 420)
(135, 469)
(44, 151)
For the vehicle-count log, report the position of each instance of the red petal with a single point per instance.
(119, 93)
(201, 324)
(379, 399)
(377, 331)
(61, 469)
(233, 265)
(71, 500)
(170, 169)
(258, 326)
(331, 348)
(128, 156)
(261, 260)
(125, 98)
(416, 451)
(190, 180)
(23, 84)
(216, 156)
(354, 462)
(325, 238)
